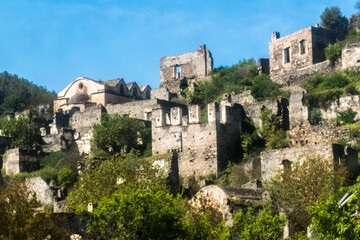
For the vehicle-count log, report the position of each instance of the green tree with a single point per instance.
(138, 214)
(330, 221)
(332, 19)
(119, 134)
(258, 224)
(315, 116)
(20, 221)
(22, 131)
(102, 180)
(299, 186)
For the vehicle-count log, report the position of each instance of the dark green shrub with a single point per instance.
(264, 89)
(334, 81)
(315, 116)
(66, 177)
(333, 52)
(345, 117)
(53, 159)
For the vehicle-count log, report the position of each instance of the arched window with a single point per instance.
(302, 46)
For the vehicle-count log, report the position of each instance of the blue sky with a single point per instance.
(53, 42)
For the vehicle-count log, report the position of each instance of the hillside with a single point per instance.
(18, 94)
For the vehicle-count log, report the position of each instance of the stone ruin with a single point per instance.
(202, 141)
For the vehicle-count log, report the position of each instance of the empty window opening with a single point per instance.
(287, 55)
(177, 71)
(302, 46)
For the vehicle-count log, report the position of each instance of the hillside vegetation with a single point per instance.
(18, 94)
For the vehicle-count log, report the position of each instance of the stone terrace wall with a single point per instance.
(272, 161)
(342, 104)
(301, 75)
(351, 56)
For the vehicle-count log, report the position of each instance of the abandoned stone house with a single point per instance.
(179, 71)
(84, 92)
(300, 49)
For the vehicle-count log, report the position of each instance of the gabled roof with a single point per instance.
(142, 88)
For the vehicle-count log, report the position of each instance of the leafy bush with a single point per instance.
(271, 131)
(258, 224)
(52, 159)
(346, 117)
(66, 177)
(263, 88)
(333, 52)
(299, 186)
(315, 116)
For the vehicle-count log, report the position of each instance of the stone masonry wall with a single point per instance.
(342, 104)
(193, 65)
(195, 143)
(301, 75)
(350, 56)
(272, 161)
(302, 133)
(17, 160)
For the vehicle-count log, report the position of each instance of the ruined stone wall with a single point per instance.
(195, 143)
(194, 65)
(253, 111)
(263, 66)
(301, 75)
(350, 56)
(160, 93)
(302, 133)
(272, 161)
(203, 148)
(321, 38)
(342, 104)
(139, 109)
(243, 98)
(17, 160)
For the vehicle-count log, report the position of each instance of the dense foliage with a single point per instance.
(18, 218)
(299, 186)
(258, 224)
(120, 133)
(18, 94)
(322, 89)
(237, 78)
(271, 130)
(330, 220)
(332, 19)
(22, 131)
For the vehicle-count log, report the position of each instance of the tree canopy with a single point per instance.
(120, 133)
(22, 131)
(332, 19)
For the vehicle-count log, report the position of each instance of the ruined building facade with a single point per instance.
(181, 70)
(300, 49)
